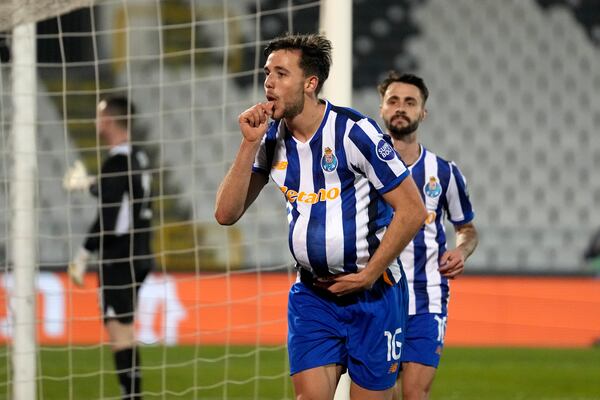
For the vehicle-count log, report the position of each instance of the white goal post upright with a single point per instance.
(335, 23)
(23, 221)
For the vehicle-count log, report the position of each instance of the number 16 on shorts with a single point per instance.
(394, 346)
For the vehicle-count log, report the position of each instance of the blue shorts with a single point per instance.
(362, 332)
(424, 339)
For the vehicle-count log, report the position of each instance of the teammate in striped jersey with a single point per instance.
(352, 207)
(427, 261)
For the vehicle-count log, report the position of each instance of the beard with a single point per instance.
(401, 132)
(292, 107)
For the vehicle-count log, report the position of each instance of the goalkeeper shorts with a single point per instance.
(119, 288)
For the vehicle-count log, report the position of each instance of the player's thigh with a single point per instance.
(317, 383)
(416, 380)
(359, 393)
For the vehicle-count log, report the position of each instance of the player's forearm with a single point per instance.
(233, 192)
(467, 239)
(401, 230)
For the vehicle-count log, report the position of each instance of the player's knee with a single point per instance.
(415, 393)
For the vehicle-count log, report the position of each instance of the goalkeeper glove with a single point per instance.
(77, 267)
(76, 178)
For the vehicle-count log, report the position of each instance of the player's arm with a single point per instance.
(241, 186)
(409, 216)
(452, 262)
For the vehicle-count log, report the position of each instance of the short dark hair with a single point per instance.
(316, 53)
(120, 108)
(410, 79)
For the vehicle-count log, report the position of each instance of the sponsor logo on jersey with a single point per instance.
(432, 188)
(281, 165)
(385, 151)
(329, 161)
(393, 368)
(310, 198)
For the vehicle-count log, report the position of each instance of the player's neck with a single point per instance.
(408, 147)
(304, 125)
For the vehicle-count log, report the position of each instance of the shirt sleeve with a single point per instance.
(372, 153)
(460, 210)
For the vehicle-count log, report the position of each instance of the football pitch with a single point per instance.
(216, 372)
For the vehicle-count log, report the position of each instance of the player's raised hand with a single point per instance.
(254, 121)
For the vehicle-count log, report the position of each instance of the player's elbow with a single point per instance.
(418, 216)
(224, 217)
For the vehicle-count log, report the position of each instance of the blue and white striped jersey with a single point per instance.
(333, 185)
(444, 191)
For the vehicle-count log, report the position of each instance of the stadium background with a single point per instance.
(514, 101)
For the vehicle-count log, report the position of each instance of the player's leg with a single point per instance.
(316, 346)
(119, 292)
(375, 341)
(421, 354)
(416, 381)
(317, 383)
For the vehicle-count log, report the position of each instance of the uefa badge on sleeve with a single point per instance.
(329, 161)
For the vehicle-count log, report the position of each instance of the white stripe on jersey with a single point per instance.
(434, 292)
(333, 229)
(299, 244)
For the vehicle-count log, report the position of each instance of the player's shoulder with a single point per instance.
(350, 113)
(440, 160)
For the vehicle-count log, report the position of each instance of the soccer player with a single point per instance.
(427, 261)
(120, 235)
(352, 207)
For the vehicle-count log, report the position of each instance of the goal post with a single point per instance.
(23, 206)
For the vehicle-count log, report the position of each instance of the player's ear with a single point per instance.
(311, 83)
(424, 114)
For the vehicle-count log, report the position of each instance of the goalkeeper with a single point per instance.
(120, 234)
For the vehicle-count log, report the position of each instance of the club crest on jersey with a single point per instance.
(329, 161)
(432, 188)
(385, 151)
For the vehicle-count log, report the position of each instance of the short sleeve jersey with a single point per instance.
(333, 185)
(444, 192)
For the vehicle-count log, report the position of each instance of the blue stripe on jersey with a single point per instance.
(348, 113)
(316, 242)
(444, 179)
(373, 225)
(420, 251)
(348, 196)
(465, 204)
(292, 177)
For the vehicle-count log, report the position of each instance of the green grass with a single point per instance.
(245, 373)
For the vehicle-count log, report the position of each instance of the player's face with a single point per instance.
(402, 109)
(284, 83)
